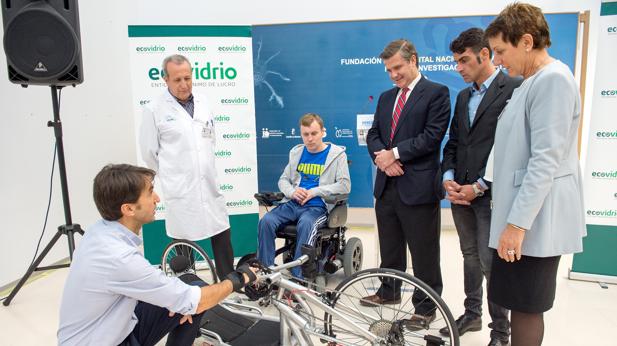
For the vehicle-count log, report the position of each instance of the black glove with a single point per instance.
(237, 277)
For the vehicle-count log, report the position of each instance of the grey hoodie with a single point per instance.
(333, 181)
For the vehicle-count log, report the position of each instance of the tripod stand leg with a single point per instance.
(33, 267)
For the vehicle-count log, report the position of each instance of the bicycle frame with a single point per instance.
(293, 325)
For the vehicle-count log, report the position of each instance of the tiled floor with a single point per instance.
(584, 313)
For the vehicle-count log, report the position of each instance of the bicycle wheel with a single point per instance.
(395, 323)
(201, 265)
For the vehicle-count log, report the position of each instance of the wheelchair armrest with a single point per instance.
(337, 199)
(338, 216)
(268, 199)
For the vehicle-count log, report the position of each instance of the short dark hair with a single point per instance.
(518, 19)
(116, 185)
(308, 118)
(471, 38)
(403, 46)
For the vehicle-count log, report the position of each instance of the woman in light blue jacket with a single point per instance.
(537, 192)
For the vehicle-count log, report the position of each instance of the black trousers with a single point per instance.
(154, 323)
(416, 227)
(223, 253)
(222, 250)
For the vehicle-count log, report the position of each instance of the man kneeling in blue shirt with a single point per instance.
(113, 295)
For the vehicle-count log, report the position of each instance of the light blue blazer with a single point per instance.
(537, 181)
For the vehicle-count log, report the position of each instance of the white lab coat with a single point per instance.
(181, 150)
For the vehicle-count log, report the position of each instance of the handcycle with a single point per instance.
(333, 317)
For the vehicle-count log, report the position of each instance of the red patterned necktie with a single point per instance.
(400, 103)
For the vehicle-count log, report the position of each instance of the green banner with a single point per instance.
(243, 237)
(608, 9)
(599, 256)
(188, 31)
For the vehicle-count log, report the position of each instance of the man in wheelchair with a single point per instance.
(316, 172)
(113, 295)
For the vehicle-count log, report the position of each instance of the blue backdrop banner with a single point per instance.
(334, 70)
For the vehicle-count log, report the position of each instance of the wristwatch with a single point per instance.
(476, 190)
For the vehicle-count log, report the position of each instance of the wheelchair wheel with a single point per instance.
(201, 265)
(352, 257)
(391, 322)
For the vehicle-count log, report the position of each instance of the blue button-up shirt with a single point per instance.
(108, 276)
(477, 94)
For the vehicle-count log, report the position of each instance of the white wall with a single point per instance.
(97, 115)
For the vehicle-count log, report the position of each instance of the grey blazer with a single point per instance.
(537, 181)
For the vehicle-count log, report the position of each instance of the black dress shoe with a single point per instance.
(374, 300)
(464, 324)
(418, 321)
(498, 342)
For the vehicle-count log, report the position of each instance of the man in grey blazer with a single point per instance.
(465, 155)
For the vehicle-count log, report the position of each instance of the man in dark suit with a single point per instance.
(404, 142)
(464, 158)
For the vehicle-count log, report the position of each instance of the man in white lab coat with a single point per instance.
(177, 141)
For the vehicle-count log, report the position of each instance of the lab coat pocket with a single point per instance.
(519, 175)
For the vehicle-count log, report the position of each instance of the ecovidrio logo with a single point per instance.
(240, 203)
(154, 48)
(195, 48)
(226, 187)
(606, 134)
(223, 153)
(609, 213)
(236, 48)
(238, 170)
(209, 71)
(604, 174)
(235, 101)
(222, 118)
(236, 136)
(608, 93)
(611, 30)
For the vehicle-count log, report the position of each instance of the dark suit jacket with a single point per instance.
(469, 146)
(421, 128)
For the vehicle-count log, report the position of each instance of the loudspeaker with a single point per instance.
(42, 42)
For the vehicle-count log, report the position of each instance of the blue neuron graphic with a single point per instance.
(261, 72)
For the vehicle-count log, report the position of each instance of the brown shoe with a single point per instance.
(374, 300)
(417, 322)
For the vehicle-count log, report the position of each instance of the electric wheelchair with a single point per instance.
(332, 251)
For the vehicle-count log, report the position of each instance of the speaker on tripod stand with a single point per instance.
(42, 47)
(42, 42)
